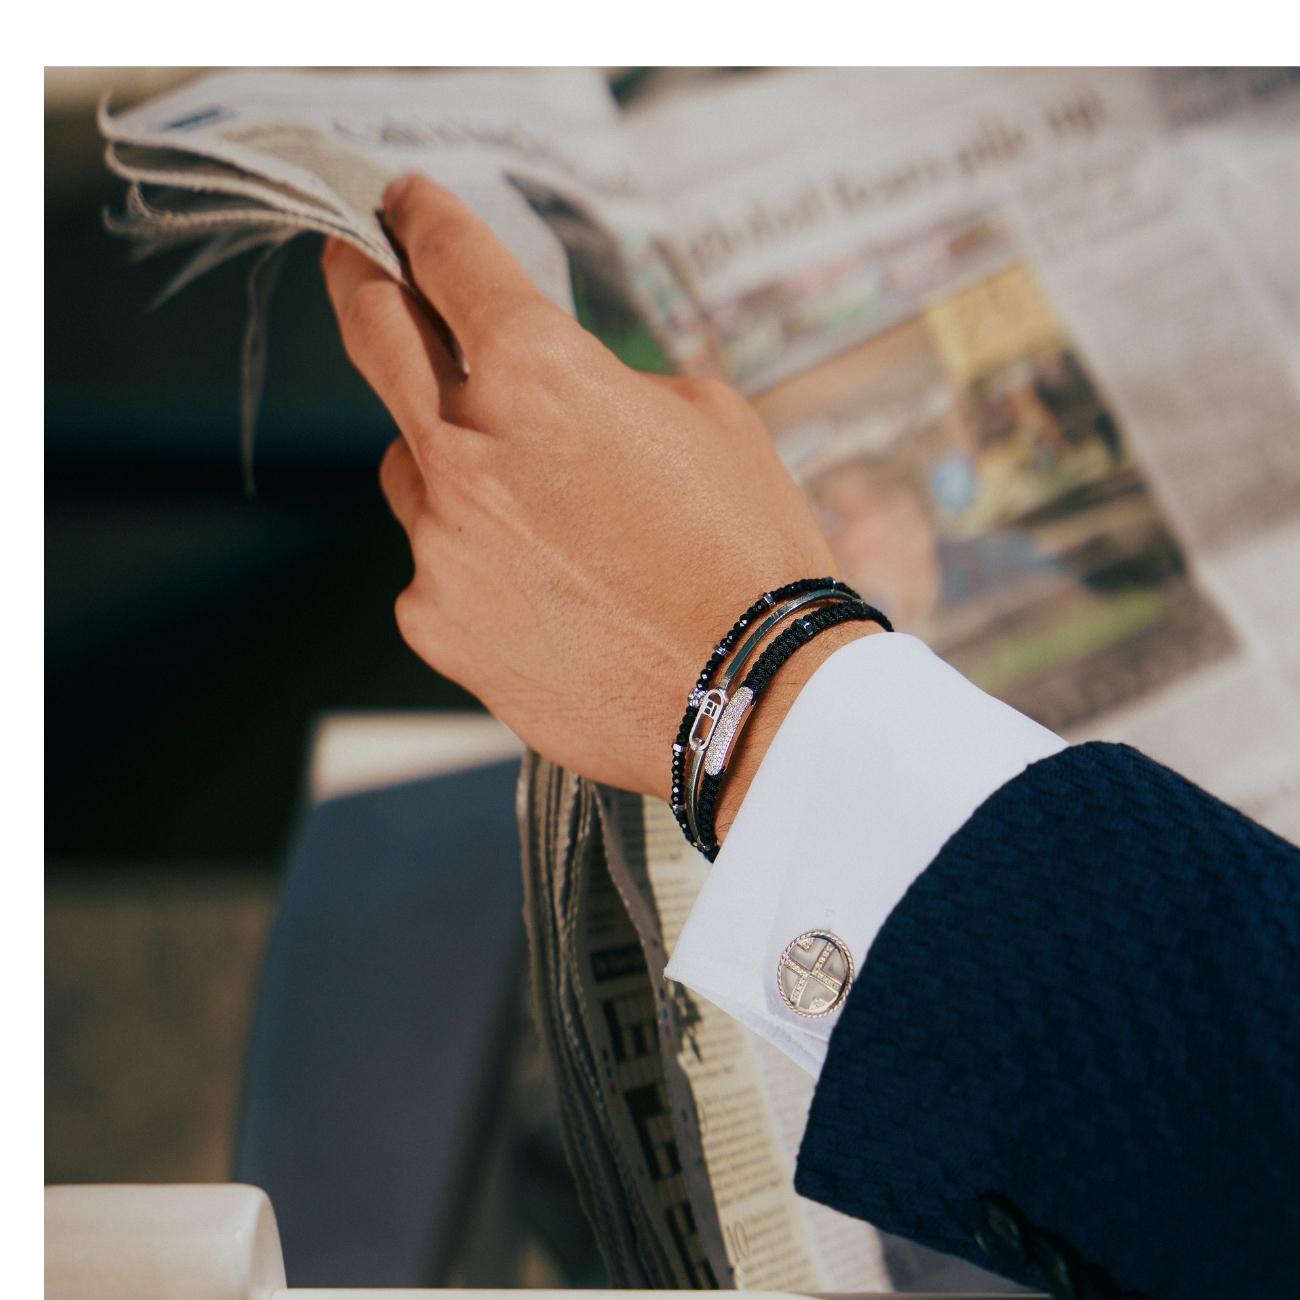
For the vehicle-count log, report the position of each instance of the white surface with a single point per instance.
(885, 754)
(352, 752)
(120, 1242)
(213, 1242)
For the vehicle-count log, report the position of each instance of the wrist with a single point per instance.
(771, 712)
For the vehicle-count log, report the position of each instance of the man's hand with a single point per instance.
(582, 533)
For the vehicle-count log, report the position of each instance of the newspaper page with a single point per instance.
(333, 143)
(740, 1152)
(538, 153)
(1032, 383)
(597, 1015)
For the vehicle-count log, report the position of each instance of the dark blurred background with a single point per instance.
(192, 635)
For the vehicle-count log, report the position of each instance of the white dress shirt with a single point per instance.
(885, 753)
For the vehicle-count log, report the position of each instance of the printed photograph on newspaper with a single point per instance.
(969, 472)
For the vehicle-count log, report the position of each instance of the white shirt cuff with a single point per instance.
(884, 755)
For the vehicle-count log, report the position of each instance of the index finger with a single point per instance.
(458, 263)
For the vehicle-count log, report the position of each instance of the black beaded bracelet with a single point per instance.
(729, 673)
(804, 629)
(699, 705)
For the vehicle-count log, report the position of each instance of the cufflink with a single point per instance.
(815, 973)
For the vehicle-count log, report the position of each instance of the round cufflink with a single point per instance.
(815, 973)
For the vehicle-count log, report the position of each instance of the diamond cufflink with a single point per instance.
(815, 973)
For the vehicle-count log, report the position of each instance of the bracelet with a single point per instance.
(705, 703)
(729, 674)
(729, 726)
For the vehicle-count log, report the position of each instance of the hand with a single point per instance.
(582, 534)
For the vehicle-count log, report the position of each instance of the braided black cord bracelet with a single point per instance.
(728, 674)
(798, 634)
(700, 691)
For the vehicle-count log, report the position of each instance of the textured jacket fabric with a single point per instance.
(1073, 1053)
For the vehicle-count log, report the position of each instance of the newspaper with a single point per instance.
(241, 161)
(681, 1125)
(1030, 341)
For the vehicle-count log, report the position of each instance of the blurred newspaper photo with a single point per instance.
(1030, 342)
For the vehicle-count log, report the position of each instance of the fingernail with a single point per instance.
(396, 190)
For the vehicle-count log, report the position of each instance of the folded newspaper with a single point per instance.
(1029, 340)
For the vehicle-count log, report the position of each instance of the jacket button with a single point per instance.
(1000, 1233)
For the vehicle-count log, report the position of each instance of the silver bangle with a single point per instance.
(729, 711)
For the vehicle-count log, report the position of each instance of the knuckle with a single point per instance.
(714, 395)
(710, 389)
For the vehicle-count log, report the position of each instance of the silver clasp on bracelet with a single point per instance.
(724, 732)
(711, 706)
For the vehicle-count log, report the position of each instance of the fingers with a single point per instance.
(469, 275)
(388, 339)
(403, 485)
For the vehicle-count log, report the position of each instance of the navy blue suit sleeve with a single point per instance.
(1073, 1053)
